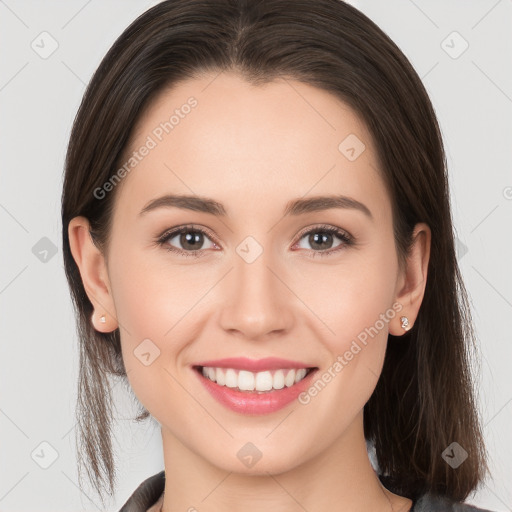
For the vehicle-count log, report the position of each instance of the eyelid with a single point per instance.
(191, 227)
(323, 227)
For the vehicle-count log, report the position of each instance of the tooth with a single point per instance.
(263, 381)
(231, 378)
(246, 380)
(278, 380)
(300, 374)
(290, 378)
(249, 381)
(221, 376)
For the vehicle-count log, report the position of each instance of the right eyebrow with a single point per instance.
(195, 203)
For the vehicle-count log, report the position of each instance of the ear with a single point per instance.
(93, 271)
(412, 280)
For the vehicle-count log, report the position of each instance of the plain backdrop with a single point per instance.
(463, 52)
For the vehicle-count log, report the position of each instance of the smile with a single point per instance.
(254, 387)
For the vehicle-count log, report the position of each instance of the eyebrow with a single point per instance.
(294, 207)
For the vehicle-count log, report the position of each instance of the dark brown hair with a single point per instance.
(424, 399)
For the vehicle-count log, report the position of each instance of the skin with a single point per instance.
(253, 149)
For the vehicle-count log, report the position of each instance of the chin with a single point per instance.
(249, 460)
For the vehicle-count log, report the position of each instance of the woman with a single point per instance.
(258, 238)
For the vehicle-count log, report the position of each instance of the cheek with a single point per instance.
(355, 301)
(151, 295)
(159, 312)
(359, 316)
(147, 309)
(351, 296)
(144, 303)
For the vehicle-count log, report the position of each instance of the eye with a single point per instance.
(322, 238)
(190, 240)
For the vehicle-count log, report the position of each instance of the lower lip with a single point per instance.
(247, 402)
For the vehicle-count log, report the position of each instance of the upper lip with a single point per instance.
(254, 365)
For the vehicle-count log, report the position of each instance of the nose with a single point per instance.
(257, 304)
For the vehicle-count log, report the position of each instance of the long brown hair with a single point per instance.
(424, 399)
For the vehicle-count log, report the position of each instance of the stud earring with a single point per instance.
(103, 319)
(405, 323)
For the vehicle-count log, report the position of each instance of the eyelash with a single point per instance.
(324, 229)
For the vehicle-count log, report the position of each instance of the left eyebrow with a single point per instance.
(319, 203)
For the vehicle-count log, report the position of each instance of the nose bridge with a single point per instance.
(254, 304)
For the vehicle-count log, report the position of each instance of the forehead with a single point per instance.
(219, 136)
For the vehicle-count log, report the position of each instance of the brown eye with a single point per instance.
(186, 240)
(325, 240)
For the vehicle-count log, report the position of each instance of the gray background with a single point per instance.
(472, 93)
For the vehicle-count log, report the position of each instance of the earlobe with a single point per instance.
(93, 271)
(413, 280)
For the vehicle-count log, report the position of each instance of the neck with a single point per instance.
(340, 477)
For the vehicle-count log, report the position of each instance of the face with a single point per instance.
(257, 277)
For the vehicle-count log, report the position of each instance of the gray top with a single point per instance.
(151, 489)
(429, 502)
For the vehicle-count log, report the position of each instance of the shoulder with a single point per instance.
(433, 503)
(146, 494)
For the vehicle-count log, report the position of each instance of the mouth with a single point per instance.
(266, 381)
(253, 387)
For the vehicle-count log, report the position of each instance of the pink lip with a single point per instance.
(253, 402)
(254, 365)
